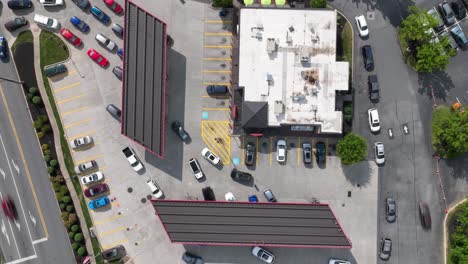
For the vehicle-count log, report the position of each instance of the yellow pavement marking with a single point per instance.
(216, 83)
(217, 59)
(78, 123)
(67, 87)
(298, 151)
(209, 136)
(62, 74)
(89, 159)
(105, 247)
(216, 96)
(243, 149)
(271, 149)
(256, 151)
(218, 34)
(112, 231)
(70, 99)
(218, 21)
(112, 218)
(210, 130)
(218, 46)
(82, 134)
(216, 71)
(216, 109)
(75, 111)
(25, 164)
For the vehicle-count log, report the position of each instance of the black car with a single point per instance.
(307, 153)
(83, 4)
(390, 210)
(249, 154)
(16, 23)
(208, 194)
(114, 253)
(368, 57)
(447, 13)
(114, 111)
(191, 258)
(320, 152)
(19, 4)
(180, 131)
(269, 195)
(216, 89)
(3, 48)
(458, 9)
(240, 176)
(425, 215)
(373, 83)
(118, 72)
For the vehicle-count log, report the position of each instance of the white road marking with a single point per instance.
(5, 232)
(33, 219)
(44, 239)
(3, 173)
(22, 260)
(18, 225)
(14, 165)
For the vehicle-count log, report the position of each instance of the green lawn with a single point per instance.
(54, 50)
(347, 36)
(23, 37)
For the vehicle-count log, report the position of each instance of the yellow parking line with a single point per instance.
(108, 219)
(271, 149)
(82, 134)
(217, 71)
(216, 109)
(222, 130)
(256, 151)
(112, 231)
(78, 123)
(243, 149)
(70, 99)
(218, 34)
(103, 168)
(74, 111)
(218, 21)
(218, 46)
(62, 74)
(115, 244)
(67, 87)
(298, 151)
(89, 159)
(217, 59)
(216, 83)
(221, 151)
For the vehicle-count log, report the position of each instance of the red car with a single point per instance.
(114, 6)
(9, 208)
(93, 54)
(76, 41)
(96, 190)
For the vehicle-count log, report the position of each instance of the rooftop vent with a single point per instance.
(278, 107)
(271, 45)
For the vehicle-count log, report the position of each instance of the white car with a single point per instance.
(51, 2)
(281, 150)
(379, 153)
(48, 22)
(209, 156)
(154, 188)
(81, 142)
(374, 121)
(263, 254)
(230, 197)
(337, 261)
(196, 169)
(362, 26)
(109, 44)
(86, 166)
(92, 178)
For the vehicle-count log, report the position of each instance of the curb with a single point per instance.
(445, 227)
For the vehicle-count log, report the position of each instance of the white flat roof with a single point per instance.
(287, 57)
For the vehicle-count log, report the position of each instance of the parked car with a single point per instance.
(385, 248)
(96, 190)
(92, 178)
(114, 111)
(362, 26)
(374, 93)
(269, 195)
(180, 131)
(379, 153)
(368, 57)
(154, 188)
(337, 261)
(72, 38)
(216, 89)
(209, 156)
(118, 30)
(240, 176)
(133, 159)
(9, 208)
(16, 23)
(191, 258)
(79, 24)
(263, 254)
(230, 197)
(114, 253)
(281, 150)
(47, 22)
(249, 154)
(447, 13)
(320, 154)
(97, 57)
(98, 203)
(120, 52)
(86, 166)
(3, 48)
(51, 2)
(374, 121)
(208, 194)
(55, 69)
(253, 198)
(195, 168)
(100, 15)
(81, 142)
(114, 6)
(118, 72)
(83, 4)
(390, 210)
(433, 12)
(459, 36)
(458, 9)
(425, 215)
(106, 42)
(307, 152)
(19, 4)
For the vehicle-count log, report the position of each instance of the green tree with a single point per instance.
(66, 199)
(417, 26)
(53, 163)
(75, 246)
(431, 57)
(78, 237)
(449, 132)
(46, 128)
(33, 90)
(318, 3)
(75, 228)
(351, 149)
(37, 100)
(50, 170)
(222, 3)
(81, 251)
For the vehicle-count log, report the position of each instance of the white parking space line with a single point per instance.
(22, 260)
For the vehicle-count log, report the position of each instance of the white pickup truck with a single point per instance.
(132, 158)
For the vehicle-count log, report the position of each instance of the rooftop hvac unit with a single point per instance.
(278, 107)
(269, 79)
(260, 26)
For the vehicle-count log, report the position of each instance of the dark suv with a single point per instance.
(208, 194)
(368, 57)
(320, 154)
(374, 94)
(458, 9)
(249, 154)
(240, 176)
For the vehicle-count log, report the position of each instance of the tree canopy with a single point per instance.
(449, 132)
(352, 148)
(431, 56)
(418, 25)
(318, 3)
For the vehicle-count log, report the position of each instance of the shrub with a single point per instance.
(70, 208)
(33, 90)
(45, 146)
(61, 205)
(348, 112)
(53, 163)
(64, 189)
(47, 158)
(78, 237)
(37, 100)
(222, 3)
(74, 245)
(81, 251)
(75, 228)
(72, 219)
(40, 135)
(64, 216)
(43, 118)
(46, 128)
(56, 186)
(50, 170)
(318, 3)
(47, 151)
(71, 235)
(30, 97)
(37, 124)
(66, 199)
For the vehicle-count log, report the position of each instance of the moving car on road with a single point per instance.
(98, 203)
(9, 208)
(180, 131)
(385, 248)
(16, 23)
(390, 210)
(209, 156)
(96, 190)
(92, 178)
(81, 142)
(425, 215)
(114, 253)
(195, 168)
(281, 150)
(263, 254)
(100, 15)
(191, 258)
(72, 38)
(97, 57)
(379, 153)
(79, 24)
(362, 26)
(86, 166)
(240, 176)
(19, 4)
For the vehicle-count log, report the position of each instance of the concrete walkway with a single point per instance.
(58, 148)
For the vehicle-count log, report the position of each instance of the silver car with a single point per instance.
(86, 166)
(81, 142)
(106, 42)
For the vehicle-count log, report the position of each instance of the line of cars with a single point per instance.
(281, 152)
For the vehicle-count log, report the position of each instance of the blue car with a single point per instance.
(3, 48)
(216, 89)
(120, 53)
(99, 14)
(79, 24)
(253, 198)
(98, 203)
